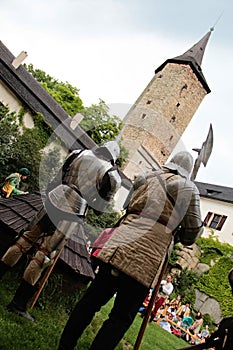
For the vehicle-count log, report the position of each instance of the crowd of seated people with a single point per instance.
(175, 318)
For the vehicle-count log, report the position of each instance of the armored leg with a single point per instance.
(22, 245)
(19, 303)
(3, 268)
(44, 256)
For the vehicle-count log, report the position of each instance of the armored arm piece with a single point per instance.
(139, 181)
(109, 185)
(188, 236)
(115, 184)
(191, 226)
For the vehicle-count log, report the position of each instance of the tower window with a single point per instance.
(144, 116)
(148, 102)
(163, 152)
(183, 89)
(173, 119)
(178, 104)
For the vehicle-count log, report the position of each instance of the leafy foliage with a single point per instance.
(50, 164)
(98, 124)
(64, 93)
(17, 149)
(184, 284)
(173, 256)
(215, 284)
(102, 127)
(8, 135)
(212, 249)
(96, 224)
(21, 147)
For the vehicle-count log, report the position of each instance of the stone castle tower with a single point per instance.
(158, 118)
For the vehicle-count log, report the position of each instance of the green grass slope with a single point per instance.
(51, 312)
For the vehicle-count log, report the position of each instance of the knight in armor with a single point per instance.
(131, 260)
(89, 179)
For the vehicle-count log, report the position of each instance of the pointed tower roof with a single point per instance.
(193, 57)
(196, 52)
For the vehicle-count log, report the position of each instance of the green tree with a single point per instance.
(94, 225)
(17, 149)
(20, 146)
(102, 127)
(64, 93)
(97, 122)
(184, 284)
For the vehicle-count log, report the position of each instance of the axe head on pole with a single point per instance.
(203, 153)
(207, 147)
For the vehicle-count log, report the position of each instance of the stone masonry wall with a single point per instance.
(163, 111)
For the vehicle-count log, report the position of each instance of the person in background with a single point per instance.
(166, 288)
(146, 302)
(222, 338)
(11, 184)
(195, 327)
(165, 324)
(184, 310)
(205, 333)
(132, 258)
(175, 304)
(89, 179)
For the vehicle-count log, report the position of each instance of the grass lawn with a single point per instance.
(16, 333)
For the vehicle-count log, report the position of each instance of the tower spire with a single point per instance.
(155, 123)
(192, 57)
(196, 52)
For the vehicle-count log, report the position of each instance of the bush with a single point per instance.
(215, 284)
(212, 249)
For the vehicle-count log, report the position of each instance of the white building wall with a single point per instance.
(13, 103)
(9, 99)
(220, 208)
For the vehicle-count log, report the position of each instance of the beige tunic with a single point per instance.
(139, 246)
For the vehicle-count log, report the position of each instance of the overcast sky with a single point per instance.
(109, 49)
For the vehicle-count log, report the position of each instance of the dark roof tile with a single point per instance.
(17, 212)
(216, 192)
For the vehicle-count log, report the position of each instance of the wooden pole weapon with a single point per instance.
(203, 156)
(44, 280)
(150, 306)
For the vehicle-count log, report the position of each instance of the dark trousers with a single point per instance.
(130, 296)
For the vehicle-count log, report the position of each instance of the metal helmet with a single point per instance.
(230, 278)
(113, 148)
(182, 162)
